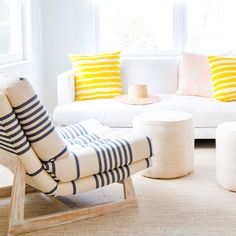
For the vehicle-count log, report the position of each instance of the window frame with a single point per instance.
(17, 35)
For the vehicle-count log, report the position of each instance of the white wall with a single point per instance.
(27, 69)
(65, 28)
(31, 66)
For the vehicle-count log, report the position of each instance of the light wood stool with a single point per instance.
(172, 136)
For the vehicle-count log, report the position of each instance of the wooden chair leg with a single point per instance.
(18, 225)
(129, 192)
(16, 216)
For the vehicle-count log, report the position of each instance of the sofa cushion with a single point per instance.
(159, 73)
(207, 113)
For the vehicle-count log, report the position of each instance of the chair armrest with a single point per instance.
(65, 87)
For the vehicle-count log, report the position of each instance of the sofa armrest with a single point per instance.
(65, 87)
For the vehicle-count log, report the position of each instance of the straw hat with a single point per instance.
(138, 95)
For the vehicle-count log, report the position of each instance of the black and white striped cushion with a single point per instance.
(35, 121)
(14, 141)
(12, 137)
(103, 154)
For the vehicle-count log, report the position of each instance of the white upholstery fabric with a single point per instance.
(66, 87)
(205, 133)
(160, 74)
(206, 113)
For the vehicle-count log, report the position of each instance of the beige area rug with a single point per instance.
(193, 205)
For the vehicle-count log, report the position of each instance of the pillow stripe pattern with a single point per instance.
(96, 76)
(223, 70)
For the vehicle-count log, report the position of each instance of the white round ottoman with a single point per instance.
(172, 136)
(226, 155)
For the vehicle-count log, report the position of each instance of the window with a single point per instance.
(210, 24)
(10, 31)
(147, 27)
(131, 25)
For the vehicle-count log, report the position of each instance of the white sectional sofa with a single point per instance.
(161, 75)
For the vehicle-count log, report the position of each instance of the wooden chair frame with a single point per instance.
(19, 225)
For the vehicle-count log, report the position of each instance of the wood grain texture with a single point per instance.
(129, 192)
(52, 220)
(18, 225)
(8, 162)
(6, 191)
(16, 215)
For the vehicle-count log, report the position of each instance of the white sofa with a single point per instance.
(161, 75)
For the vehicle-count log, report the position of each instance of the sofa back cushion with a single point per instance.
(159, 73)
(96, 75)
(223, 70)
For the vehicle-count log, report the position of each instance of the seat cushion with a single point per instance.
(206, 113)
(96, 149)
(101, 179)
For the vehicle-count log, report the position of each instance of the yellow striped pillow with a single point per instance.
(223, 71)
(96, 76)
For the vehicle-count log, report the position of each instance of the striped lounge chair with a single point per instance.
(61, 161)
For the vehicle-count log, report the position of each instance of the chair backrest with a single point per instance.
(27, 132)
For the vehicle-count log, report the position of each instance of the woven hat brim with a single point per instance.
(137, 101)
